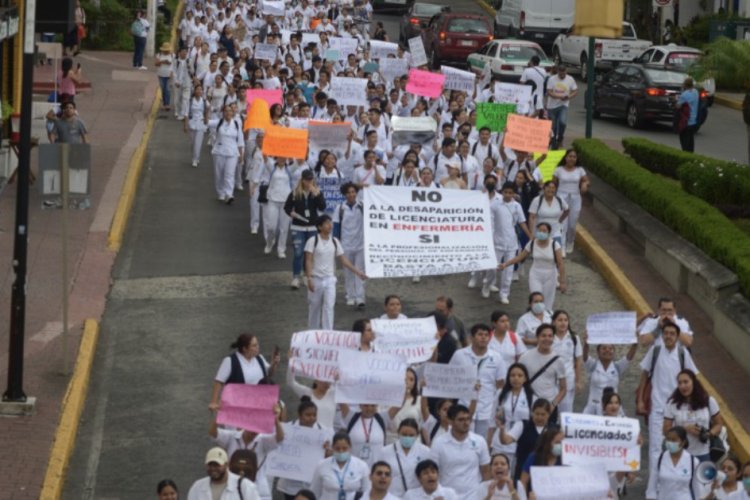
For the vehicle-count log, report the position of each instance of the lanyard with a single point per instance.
(513, 405)
(368, 174)
(341, 477)
(366, 430)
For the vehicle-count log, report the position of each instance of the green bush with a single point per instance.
(656, 157)
(108, 26)
(692, 218)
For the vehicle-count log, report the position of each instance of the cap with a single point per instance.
(165, 47)
(217, 455)
(308, 175)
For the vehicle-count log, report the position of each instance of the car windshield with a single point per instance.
(682, 60)
(627, 31)
(426, 9)
(468, 25)
(664, 77)
(521, 52)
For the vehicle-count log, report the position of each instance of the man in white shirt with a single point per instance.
(348, 218)
(488, 277)
(534, 75)
(483, 148)
(462, 455)
(321, 252)
(427, 472)
(660, 366)
(561, 88)
(380, 482)
(220, 482)
(649, 331)
(447, 155)
(490, 374)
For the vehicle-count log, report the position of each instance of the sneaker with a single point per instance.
(230, 200)
(295, 283)
(516, 277)
(494, 289)
(504, 300)
(472, 282)
(416, 279)
(569, 247)
(144, 68)
(282, 255)
(486, 290)
(349, 302)
(253, 230)
(304, 281)
(239, 188)
(179, 118)
(221, 198)
(269, 247)
(194, 164)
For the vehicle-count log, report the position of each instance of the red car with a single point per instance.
(452, 36)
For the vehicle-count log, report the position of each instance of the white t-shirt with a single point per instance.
(569, 180)
(683, 416)
(505, 217)
(251, 370)
(406, 463)
(459, 462)
(651, 325)
(490, 369)
(324, 255)
(549, 212)
(367, 177)
(440, 492)
(328, 477)
(664, 378)
(546, 385)
(367, 435)
(528, 323)
(566, 86)
(509, 350)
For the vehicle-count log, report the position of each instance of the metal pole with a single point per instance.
(64, 187)
(590, 89)
(151, 34)
(15, 391)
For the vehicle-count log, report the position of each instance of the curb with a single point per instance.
(72, 407)
(739, 439)
(729, 103)
(130, 186)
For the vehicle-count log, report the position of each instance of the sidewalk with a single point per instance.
(115, 111)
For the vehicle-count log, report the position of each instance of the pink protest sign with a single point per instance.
(527, 134)
(271, 96)
(425, 83)
(249, 407)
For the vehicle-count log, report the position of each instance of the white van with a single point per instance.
(537, 20)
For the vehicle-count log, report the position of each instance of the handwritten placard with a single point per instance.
(617, 327)
(273, 7)
(331, 189)
(258, 117)
(249, 407)
(308, 38)
(316, 353)
(418, 54)
(301, 447)
(413, 338)
(332, 55)
(494, 115)
(345, 46)
(392, 67)
(285, 142)
(527, 134)
(570, 483)
(513, 93)
(326, 135)
(458, 79)
(271, 96)
(425, 83)
(381, 50)
(349, 91)
(591, 439)
(449, 381)
(266, 51)
(550, 163)
(371, 378)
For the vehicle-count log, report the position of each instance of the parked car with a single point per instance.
(416, 19)
(507, 58)
(537, 20)
(641, 94)
(676, 58)
(390, 6)
(452, 36)
(572, 50)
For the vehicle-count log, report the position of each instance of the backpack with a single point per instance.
(489, 149)
(647, 388)
(335, 244)
(378, 418)
(539, 204)
(221, 121)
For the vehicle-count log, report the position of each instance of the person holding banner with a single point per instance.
(572, 183)
(348, 223)
(403, 456)
(604, 372)
(392, 308)
(341, 476)
(321, 394)
(500, 487)
(303, 206)
(525, 434)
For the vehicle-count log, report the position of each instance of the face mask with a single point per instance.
(407, 441)
(542, 236)
(672, 447)
(308, 55)
(746, 483)
(490, 186)
(342, 457)
(557, 449)
(537, 307)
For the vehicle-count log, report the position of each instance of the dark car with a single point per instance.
(641, 94)
(416, 18)
(452, 36)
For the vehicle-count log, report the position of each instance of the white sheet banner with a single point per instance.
(393, 67)
(308, 38)
(616, 327)
(458, 79)
(349, 91)
(266, 51)
(327, 135)
(426, 232)
(371, 378)
(413, 338)
(301, 447)
(449, 381)
(273, 7)
(418, 54)
(513, 93)
(591, 439)
(570, 483)
(316, 353)
(345, 46)
(381, 50)
(271, 83)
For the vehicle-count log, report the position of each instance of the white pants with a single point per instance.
(566, 405)
(275, 219)
(655, 438)
(224, 172)
(545, 282)
(321, 302)
(196, 138)
(181, 99)
(355, 287)
(254, 210)
(574, 202)
(506, 276)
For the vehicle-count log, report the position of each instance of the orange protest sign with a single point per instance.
(259, 115)
(285, 142)
(527, 134)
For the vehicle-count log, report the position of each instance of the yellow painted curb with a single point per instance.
(487, 7)
(72, 407)
(127, 196)
(739, 439)
(726, 101)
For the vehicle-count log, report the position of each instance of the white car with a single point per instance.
(507, 58)
(676, 58)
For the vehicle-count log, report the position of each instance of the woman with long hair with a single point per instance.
(676, 468)
(548, 453)
(500, 487)
(572, 182)
(568, 346)
(196, 122)
(303, 205)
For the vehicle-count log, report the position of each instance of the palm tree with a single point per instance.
(728, 62)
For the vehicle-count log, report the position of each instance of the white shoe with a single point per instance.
(516, 277)
(486, 291)
(143, 68)
(239, 188)
(221, 198)
(179, 118)
(304, 281)
(269, 247)
(253, 230)
(349, 302)
(195, 164)
(504, 300)
(416, 279)
(494, 289)
(569, 247)
(282, 255)
(472, 282)
(295, 283)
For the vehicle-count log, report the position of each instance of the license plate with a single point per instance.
(539, 35)
(466, 43)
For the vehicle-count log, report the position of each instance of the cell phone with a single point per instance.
(276, 350)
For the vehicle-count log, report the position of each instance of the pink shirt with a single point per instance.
(65, 85)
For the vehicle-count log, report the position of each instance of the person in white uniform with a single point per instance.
(255, 164)
(321, 252)
(676, 470)
(428, 474)
(348, 220)
(403, 456)
(196, 122)
(550, 208)
(505, 341)
(221, 480)
(604, 372)
(546, 369)
(649, 331)
(228, 148)
(381, 476)
(536, 314)
(508, 214)
(568, 346)
(276, 182)
(572, 183)
(340, 476)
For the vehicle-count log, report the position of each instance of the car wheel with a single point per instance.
(633, 116)
(584, 67)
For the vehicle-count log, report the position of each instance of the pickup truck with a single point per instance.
(572, 50)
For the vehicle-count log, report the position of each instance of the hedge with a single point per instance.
(722, 183)
(692, 218)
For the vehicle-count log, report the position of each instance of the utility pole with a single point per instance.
(151, 34)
